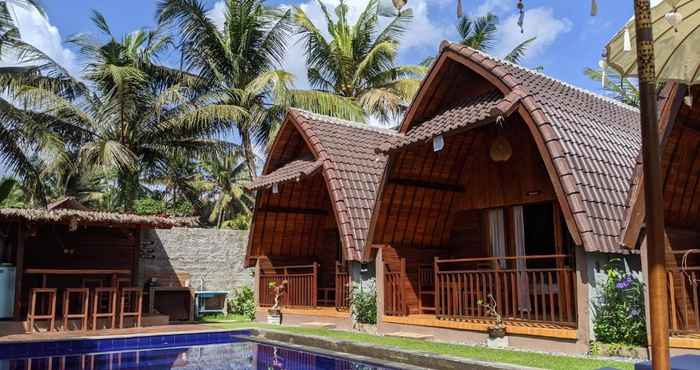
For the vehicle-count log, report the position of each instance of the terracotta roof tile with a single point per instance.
(352, 168)
(291, 171)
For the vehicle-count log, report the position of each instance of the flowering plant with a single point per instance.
(619, 310)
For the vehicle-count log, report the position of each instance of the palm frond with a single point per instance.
(519, 51)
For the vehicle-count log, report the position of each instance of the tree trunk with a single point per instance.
(248, 151)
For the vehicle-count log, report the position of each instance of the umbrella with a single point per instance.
(676, 30)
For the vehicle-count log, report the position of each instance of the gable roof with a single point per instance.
(589, 143)
(345, 153)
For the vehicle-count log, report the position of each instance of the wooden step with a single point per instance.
(318, 325)
(407, 335)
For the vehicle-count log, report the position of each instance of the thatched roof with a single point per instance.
(75, 216)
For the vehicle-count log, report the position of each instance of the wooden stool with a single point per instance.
(83, 314)
(50, 313)
(111, 310)
(131, 305)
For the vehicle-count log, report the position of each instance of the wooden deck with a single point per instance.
(311, 311)
(512, 327)
(688, 341)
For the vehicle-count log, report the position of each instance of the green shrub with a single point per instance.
(619, 311)
(182, 208)
(363, 302)
(149, 206)
(242, 302)
(240, 222)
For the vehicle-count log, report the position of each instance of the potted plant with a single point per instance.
(274, 314)
(497, 331)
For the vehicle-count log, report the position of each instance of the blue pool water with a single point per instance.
(227, 350)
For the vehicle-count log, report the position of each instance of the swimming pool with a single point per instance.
(219, 350)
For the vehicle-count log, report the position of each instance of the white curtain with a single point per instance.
(521, 264)
(498, 235)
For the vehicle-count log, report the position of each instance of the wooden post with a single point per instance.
(379, 281)
(314, 291)
(19, 271)
(436, 300)
(402, 288)
(256, 286)
(653, 197)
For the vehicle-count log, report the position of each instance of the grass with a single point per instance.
(531, 359)
(221, 318)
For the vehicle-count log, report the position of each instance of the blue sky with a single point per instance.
(569, 39)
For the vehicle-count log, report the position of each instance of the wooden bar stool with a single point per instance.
(84, 301)
(104, 306)
(42, 307)
(131, 305)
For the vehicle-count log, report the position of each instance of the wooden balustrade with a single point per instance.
(342, 287)
(302, 286)
(684, 296)
(533, 294)
(394, 295)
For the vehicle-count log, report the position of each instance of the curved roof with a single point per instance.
(351, 168)
(589, 143)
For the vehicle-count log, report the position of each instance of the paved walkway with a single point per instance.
(92, 334)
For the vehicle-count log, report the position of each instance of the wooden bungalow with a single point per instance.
(74, 269)
(312, 210)
(501, 183)
(679, 131)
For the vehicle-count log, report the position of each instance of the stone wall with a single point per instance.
(212, 255)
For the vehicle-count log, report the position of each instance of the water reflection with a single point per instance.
(241, 355)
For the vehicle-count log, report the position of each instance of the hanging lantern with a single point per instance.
(627, 44)
(275, 188)
(390, 8)
(674, 18)
(500, 150)
(688, 100)
(594, 8)
(438, 143)
(521, 18)
(460, 11)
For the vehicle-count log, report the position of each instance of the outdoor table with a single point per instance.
(108, 272)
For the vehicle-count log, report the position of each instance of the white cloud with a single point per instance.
(495, 7)
(540, 23)
(39, 32)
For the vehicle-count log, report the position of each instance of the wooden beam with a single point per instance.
(19, 271)
(428, 185)
(303, 211)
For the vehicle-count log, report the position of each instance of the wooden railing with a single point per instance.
(394, 295)
(533, 294)
(342, 287)
(301, 286)
(684, 295)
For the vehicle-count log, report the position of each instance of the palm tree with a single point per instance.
(620, 88)
(224, 177)
(480, 33)
(240, 64)
(135, 113)
(358, 61)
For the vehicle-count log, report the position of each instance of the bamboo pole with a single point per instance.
(652, 185)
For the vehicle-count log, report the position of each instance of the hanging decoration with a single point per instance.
(627, 42)
(521, 18)
(594, 8)
(674, 18)
(275, 188)
(688, 100)
(438, 143)
(603, 64)
(500, 150)
(390, 8)
(460, 11)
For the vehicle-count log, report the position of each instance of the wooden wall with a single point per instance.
(426, 192)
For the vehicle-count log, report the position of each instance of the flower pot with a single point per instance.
(496, 331)
(497, 337)
(274, 317)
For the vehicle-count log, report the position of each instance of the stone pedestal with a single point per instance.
(497, 342)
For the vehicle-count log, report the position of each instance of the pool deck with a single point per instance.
(98, 334)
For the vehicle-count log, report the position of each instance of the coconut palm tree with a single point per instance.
(240, 63)
(480, 33)
(224, 176)
(134, 112)
(358, 61)
(618, 87)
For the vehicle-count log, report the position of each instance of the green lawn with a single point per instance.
(221, 318)
(538, 360)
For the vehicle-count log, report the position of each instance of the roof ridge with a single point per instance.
(564, 83)
(343, 122)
